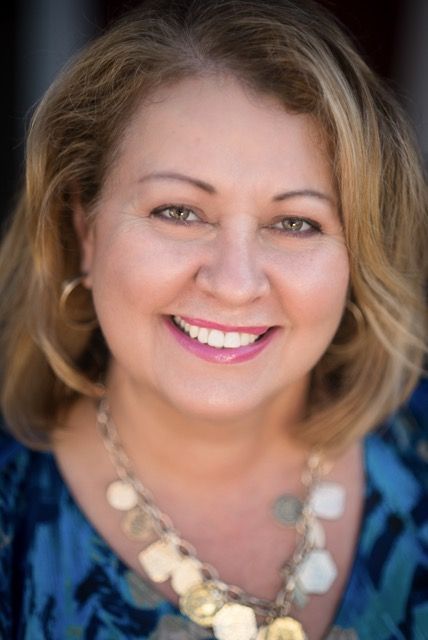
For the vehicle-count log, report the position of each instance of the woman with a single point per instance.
(212, 290)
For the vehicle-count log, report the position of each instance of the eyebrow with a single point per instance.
(208, 188)
(171, 175)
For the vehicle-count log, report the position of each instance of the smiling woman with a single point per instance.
(260, 244)
(213, 307)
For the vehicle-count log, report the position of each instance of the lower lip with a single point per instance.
(221, 356)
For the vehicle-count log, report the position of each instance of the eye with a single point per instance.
(297, 226)
(175, 213)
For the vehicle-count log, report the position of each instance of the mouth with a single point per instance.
(217, 338)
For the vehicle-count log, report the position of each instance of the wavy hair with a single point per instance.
(292, 50)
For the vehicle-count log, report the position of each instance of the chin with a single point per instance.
(217, 406)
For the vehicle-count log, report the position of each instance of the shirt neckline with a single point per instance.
(159, 599)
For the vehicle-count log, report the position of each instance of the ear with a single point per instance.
(85, 235)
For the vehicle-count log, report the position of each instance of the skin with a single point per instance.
(232, 263)
(263, 245)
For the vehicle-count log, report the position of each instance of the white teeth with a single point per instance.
(202, 335)
(232, 340)
(193, 331)
(216, 338)
(245, 338)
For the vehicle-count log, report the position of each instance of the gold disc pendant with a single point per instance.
(287, 510)
(137, 525)
(282, 629)
(202, 602)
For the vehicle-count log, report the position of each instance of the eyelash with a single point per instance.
(156, 213)
(314, 227)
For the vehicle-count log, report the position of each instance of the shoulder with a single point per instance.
(394, 538)
(14, 461)
(397, 453)
(387, 594)
(29, 485)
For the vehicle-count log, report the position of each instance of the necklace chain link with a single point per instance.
(268, 611)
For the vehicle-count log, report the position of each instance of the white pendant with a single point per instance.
(235, 622)
(121, 495)
(186, 575)
(317, 572)
(328, 500)
(159, 560)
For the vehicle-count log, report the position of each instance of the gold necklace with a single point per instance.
(203, 596)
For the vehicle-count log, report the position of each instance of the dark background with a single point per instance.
(37, 37)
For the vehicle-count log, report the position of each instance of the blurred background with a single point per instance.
(38, 36)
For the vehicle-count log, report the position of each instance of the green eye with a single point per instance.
(178, 213)
(296, 225)
(175, 213)
(292, 224)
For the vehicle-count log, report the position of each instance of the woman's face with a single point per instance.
(219, 211)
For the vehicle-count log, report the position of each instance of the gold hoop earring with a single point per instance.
(67, 289)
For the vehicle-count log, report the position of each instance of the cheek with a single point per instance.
(314, 286)
(138, 269)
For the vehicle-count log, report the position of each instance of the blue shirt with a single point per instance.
(59, 580)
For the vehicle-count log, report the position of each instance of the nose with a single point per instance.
(233, 271)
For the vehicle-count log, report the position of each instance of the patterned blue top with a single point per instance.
(60, 581)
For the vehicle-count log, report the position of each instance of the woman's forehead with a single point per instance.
(213, 128)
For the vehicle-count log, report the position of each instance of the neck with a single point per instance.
(204, 450)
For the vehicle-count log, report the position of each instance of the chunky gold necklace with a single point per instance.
(203, 596)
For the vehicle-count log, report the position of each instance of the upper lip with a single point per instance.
(209, 324)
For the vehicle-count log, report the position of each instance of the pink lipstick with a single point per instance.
(222, 356)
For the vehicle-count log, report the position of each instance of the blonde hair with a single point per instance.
(288, 49)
